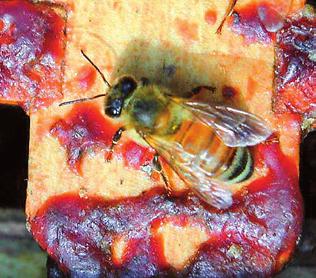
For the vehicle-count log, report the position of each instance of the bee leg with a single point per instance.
(196, 91)
(199, 89)
(192, 93)
(158, 168)
(116, 138)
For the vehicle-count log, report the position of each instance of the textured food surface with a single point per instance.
(143, 236)
(296, 65)
(32, 49)
(96, 217)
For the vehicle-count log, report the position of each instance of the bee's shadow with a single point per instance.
(171, 67)
(179, 70)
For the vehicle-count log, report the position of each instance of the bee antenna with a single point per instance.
(88, 98)
(97, 69)
(81, 100)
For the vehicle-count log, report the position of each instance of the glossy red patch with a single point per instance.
(296, 66)
(84, 128)
(135, 155)
(257, 22)
(31, 53)
(250, 236)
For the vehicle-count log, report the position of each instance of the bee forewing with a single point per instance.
(189, 170)
(214, 194)
(236, 128)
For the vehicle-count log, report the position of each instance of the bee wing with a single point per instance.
(187, 166)
(236, 128)
(214, 194)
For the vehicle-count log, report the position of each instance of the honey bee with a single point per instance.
(207, 146)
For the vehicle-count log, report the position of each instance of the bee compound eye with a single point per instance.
(114, 107)
(128, 85)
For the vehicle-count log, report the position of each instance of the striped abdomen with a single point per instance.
(224, 163)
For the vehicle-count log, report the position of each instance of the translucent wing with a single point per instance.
(188, 167)
(236, 128)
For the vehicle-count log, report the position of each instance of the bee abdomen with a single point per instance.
(224, 163)
(240, 168)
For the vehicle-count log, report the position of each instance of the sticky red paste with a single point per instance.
(31, 53)
(135, 155)
(262, 225)
(296, 66)
(82, 129)
(86, 128)
(256, 22)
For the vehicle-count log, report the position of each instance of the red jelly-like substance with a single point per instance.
(296, 66)
(135, 155)
(257, 22)
(31, 52)
(86, 128)
(247, 240)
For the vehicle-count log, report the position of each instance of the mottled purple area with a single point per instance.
(31, 52)
(296, 66)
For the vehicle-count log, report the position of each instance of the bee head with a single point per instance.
(122, 90)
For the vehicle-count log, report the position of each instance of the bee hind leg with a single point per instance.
(116, 138)
(158, 168)
(197, 91)
(200, 89)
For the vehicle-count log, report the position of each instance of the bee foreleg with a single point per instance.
(158, 168)
(116, 138)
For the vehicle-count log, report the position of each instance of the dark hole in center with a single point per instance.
(14, 142)
(308, 174)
